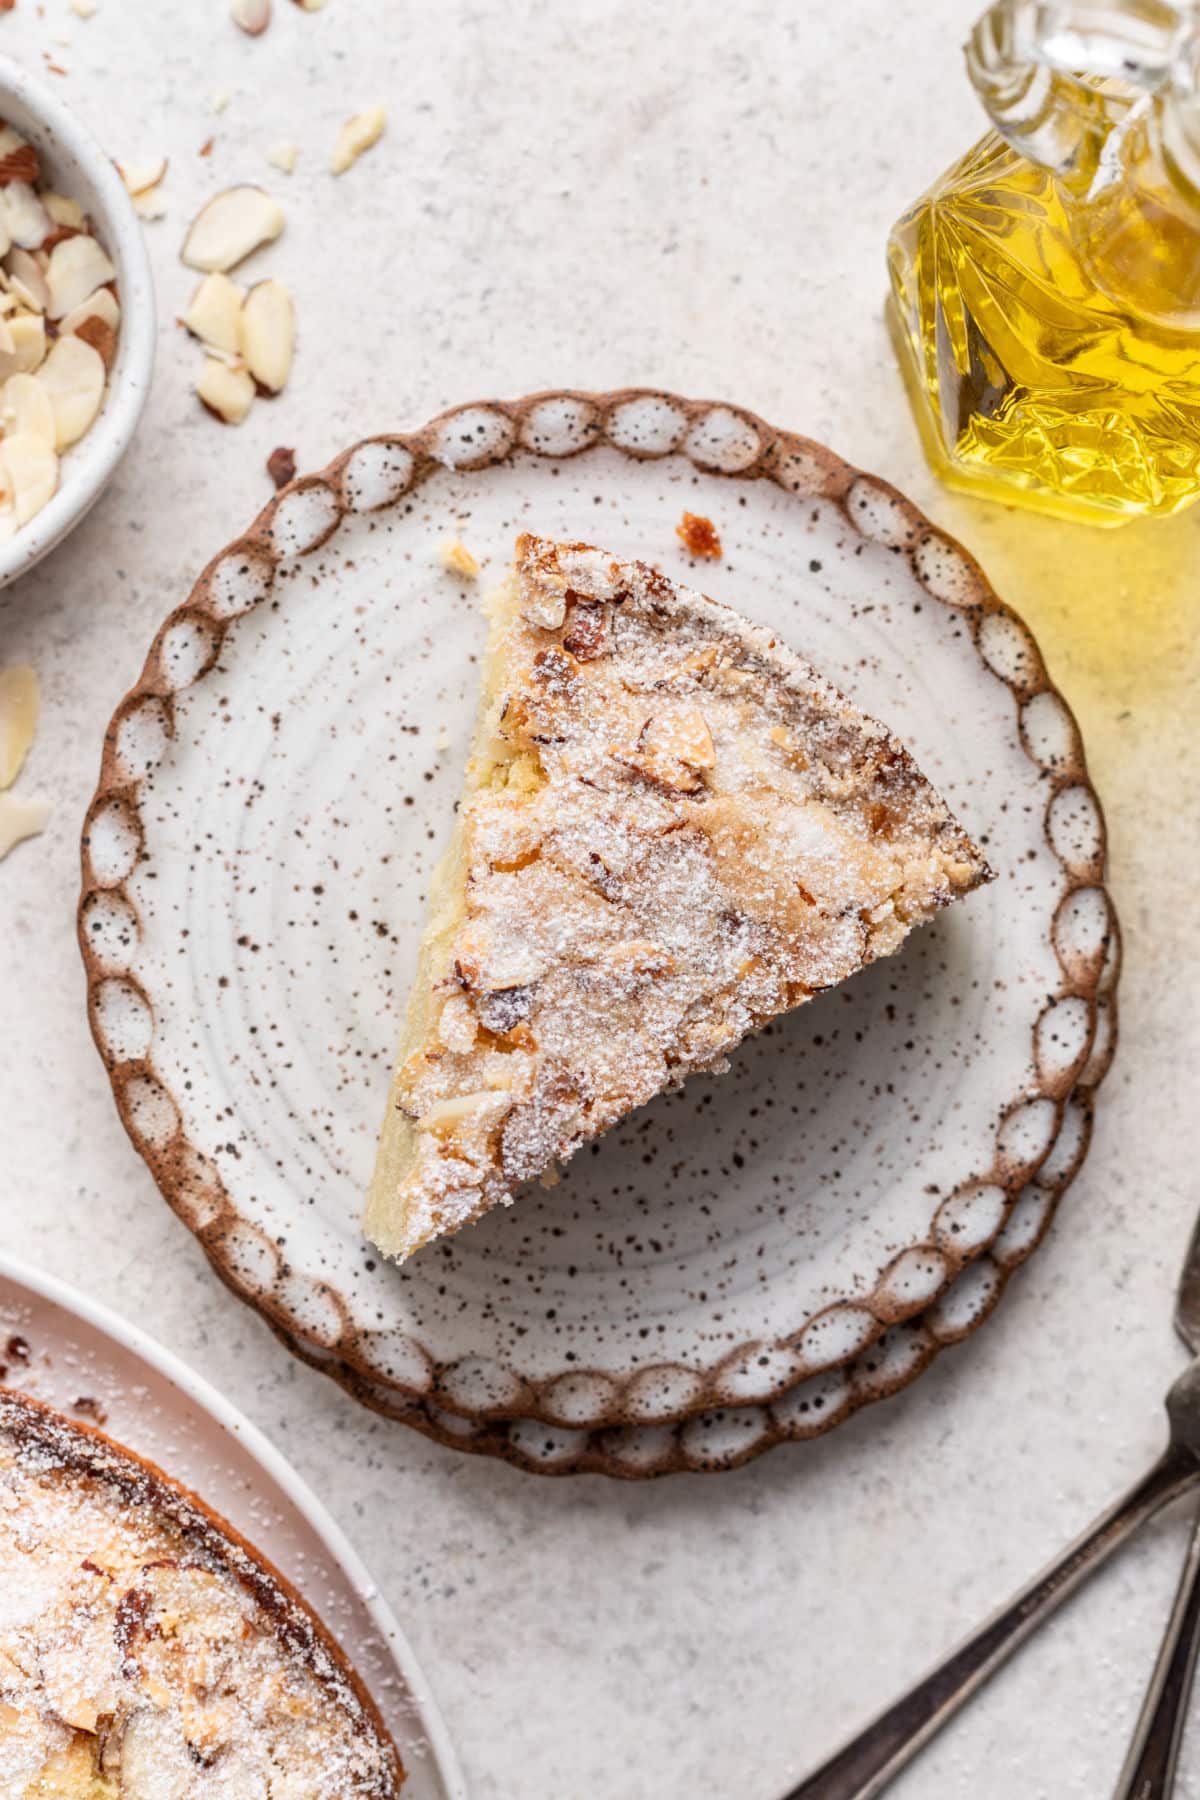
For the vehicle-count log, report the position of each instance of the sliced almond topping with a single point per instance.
(357, 135)
(310, 5)
(268, 334)
(221, 99)
(232, 225)
(283, 156)
(478, 1111)
(84, 9)
(27, 280)
(214, 315)
(28, 336)
(458, 1027)
(27, 220)
(139, 178)
(73, 376)
(7, 347)
(30, 472)
(65, 211)
(229, 393)
(25, 409)
(683, 735)
(78, 266)
(252, 16)
(19, 700)
(103, 304)
(20, 819)
(454, 555)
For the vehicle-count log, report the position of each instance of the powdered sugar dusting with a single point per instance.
(674, 830)
(145, 1652)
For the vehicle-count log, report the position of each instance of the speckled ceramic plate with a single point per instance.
(745, 1261)
(79, 1357)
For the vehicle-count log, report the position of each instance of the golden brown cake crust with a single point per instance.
(171, 1638)
(673, 830)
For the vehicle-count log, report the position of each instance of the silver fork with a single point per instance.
(864, 1767)
(1148, 1772)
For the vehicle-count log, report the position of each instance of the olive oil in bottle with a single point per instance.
(1045, 292)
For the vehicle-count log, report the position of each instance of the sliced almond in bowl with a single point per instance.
(27, 280)
(27, 335)
(30, 469)
(215, 313)
(77, 267)
(65, 211)
(25, 409)
(101, 337)
(103, 305)
(228, 393)
(73, 376)
(232, 225)
(27, 220)
(268, 334)
(19, 701)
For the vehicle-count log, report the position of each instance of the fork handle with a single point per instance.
(865, 1766)
(1149, 1769)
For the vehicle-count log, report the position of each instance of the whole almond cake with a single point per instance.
(672, 830)
(147, 1653)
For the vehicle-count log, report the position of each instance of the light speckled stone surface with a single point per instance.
(597, 195)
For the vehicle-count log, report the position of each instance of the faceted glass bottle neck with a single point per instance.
(1105, 95)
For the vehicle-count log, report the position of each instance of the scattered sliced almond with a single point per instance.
(139, 178)
(232, 225)
(221, 99)
(357, 135)
(283, 156)
(150, 205)
(26, 218)
(27, 280)
(84, 9)
(30, 472)
(73, 376)
(215, 314)
(78, 266)
(103, 304)
(268, 334)
(252, 16)
(310, 5)
(19, 701)
(20, 819)
(65, 211)
(28, 337)
(229, 393)
(454, 555)
(25, 410)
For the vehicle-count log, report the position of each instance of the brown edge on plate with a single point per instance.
(875, 511)
(83, 1449)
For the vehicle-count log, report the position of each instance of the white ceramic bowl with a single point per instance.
(77, 166)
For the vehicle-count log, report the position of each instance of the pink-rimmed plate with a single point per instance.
(66, 1349)
(748, 1260)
